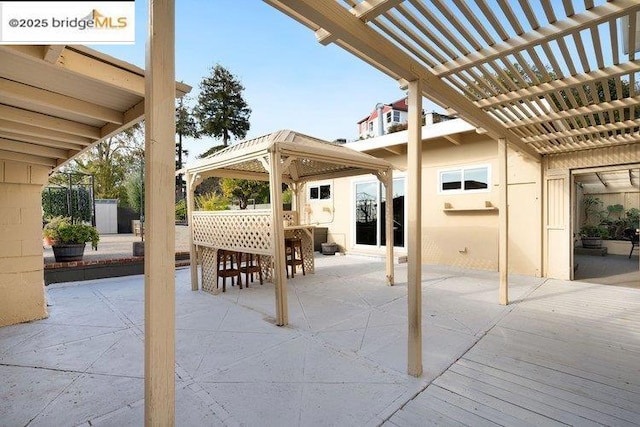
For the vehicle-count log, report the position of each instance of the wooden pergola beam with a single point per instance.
(587, 130)
(21, 128)
(609, 11)
(11, 91)
(567, 83)
(355, 36)
(588, 110)
(47, 122)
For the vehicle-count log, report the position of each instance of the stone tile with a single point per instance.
(90, 396)
(25, 392)
(259, 403)
(125, 357)
(72, 356)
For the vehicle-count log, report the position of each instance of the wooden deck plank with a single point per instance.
(583, 333)
(616, 364)
(414, 414)
(547, 362)
(587, 387)
(453, 406)
(536, 406)
(513, 414)
(559, 398)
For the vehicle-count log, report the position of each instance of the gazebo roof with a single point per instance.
(305, 158)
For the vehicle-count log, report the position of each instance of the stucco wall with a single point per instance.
(461, 238)
(22, 296)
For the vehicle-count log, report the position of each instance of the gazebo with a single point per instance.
(280, 157)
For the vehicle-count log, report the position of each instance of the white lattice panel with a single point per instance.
(209, 279)
(307, 247)
(291, 217)
(242, 231)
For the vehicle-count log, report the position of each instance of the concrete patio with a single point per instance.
(562, 353)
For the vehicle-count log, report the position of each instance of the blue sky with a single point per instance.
(291, 81)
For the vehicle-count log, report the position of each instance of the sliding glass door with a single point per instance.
(370, 205)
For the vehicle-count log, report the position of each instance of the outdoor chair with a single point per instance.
(228, 265)
(632, 235)
(251, 266)
(293, 245)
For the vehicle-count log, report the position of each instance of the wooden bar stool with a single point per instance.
(293, 245)
(228, 265)
(251, 266)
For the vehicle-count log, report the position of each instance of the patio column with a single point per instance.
(159, 260)
(503, 219)
(386, 178)
(414, 241)
(275, 191)
(193, 254)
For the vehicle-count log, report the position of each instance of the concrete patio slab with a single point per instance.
(563, 352)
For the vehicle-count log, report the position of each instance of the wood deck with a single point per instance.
(569, 354)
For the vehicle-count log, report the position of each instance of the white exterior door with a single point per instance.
(558, 258)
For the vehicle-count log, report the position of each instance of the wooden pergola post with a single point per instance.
(191, 180)
(414, 241)
(159, 260)
(503, 219)
(386, 178)
(275, 190)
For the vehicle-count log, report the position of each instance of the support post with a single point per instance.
(414, 241)
(193, 254)
(503, 229)
(387, 180)
(275, 190)
(159, 260)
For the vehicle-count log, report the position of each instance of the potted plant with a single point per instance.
(592, 235)
(69, 239)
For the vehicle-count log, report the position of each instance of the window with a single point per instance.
(464, 180)
(396, 116)
(320, 192)
(370, 126)
(388, 117)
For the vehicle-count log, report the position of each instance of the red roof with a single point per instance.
(399, 105)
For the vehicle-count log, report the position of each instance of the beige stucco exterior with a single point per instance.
(22, 296)
(462, 235)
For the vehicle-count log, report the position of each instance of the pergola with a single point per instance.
(294, 159)
(540, 78)
(526, 74)
(58, 101)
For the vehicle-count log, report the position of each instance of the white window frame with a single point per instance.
(462, 170)
(396, 112)
(318, 185)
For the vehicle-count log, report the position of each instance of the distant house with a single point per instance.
(394, 119)
(392, 114)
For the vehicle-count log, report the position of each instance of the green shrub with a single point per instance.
(211, 202)
(181, 210)
(61, 230)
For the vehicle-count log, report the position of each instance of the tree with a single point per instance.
(185, 126)
(110, 160)
(243, 190)
(221, 111)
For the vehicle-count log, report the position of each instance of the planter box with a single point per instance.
(68, 253)
(617, 247)
(329, 248)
